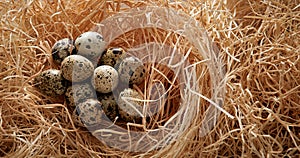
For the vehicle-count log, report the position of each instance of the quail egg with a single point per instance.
(78, 93)
(90, 112)
(131, 70)
(105, 79)
(130, 105)
(51, 82)
(61, 49)
(109, 105)
(112, 56)
(90, 45)
(76, 68)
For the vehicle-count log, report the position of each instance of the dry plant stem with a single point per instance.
(258, 42)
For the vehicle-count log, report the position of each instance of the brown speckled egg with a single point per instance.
(76, 68)
(129, 100)
(109, 105)
(90, 112)
(78, 93)
(61, 49)
(51, 82)
(90, 45)
(112, 56)
(105, 79)
(131, 70)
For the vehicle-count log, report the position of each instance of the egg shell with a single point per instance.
(105, 79)
(76, 68)
(112, 57)
(90, 112)
(90, 45)
(131, 71)
(61, 49)
(109, 105)
(129, 100)
(51, 82)
(78, 93)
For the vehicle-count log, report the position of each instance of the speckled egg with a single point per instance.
(129, 102)
(109, 105)
(51, 82)
(76, 68)
(105, 79)
(112, 56)
(78, 93)
(90, 45)
(90, 112)
(61, 49)
(131, 70)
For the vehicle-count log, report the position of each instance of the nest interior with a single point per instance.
(258, 43)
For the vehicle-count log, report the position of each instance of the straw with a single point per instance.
(258, 44)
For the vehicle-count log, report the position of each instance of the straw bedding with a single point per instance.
(258, 44)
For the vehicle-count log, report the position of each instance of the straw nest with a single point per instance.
(258, 45)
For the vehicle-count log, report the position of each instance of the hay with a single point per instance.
(258, 42)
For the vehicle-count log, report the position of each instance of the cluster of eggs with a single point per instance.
(88, 75)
